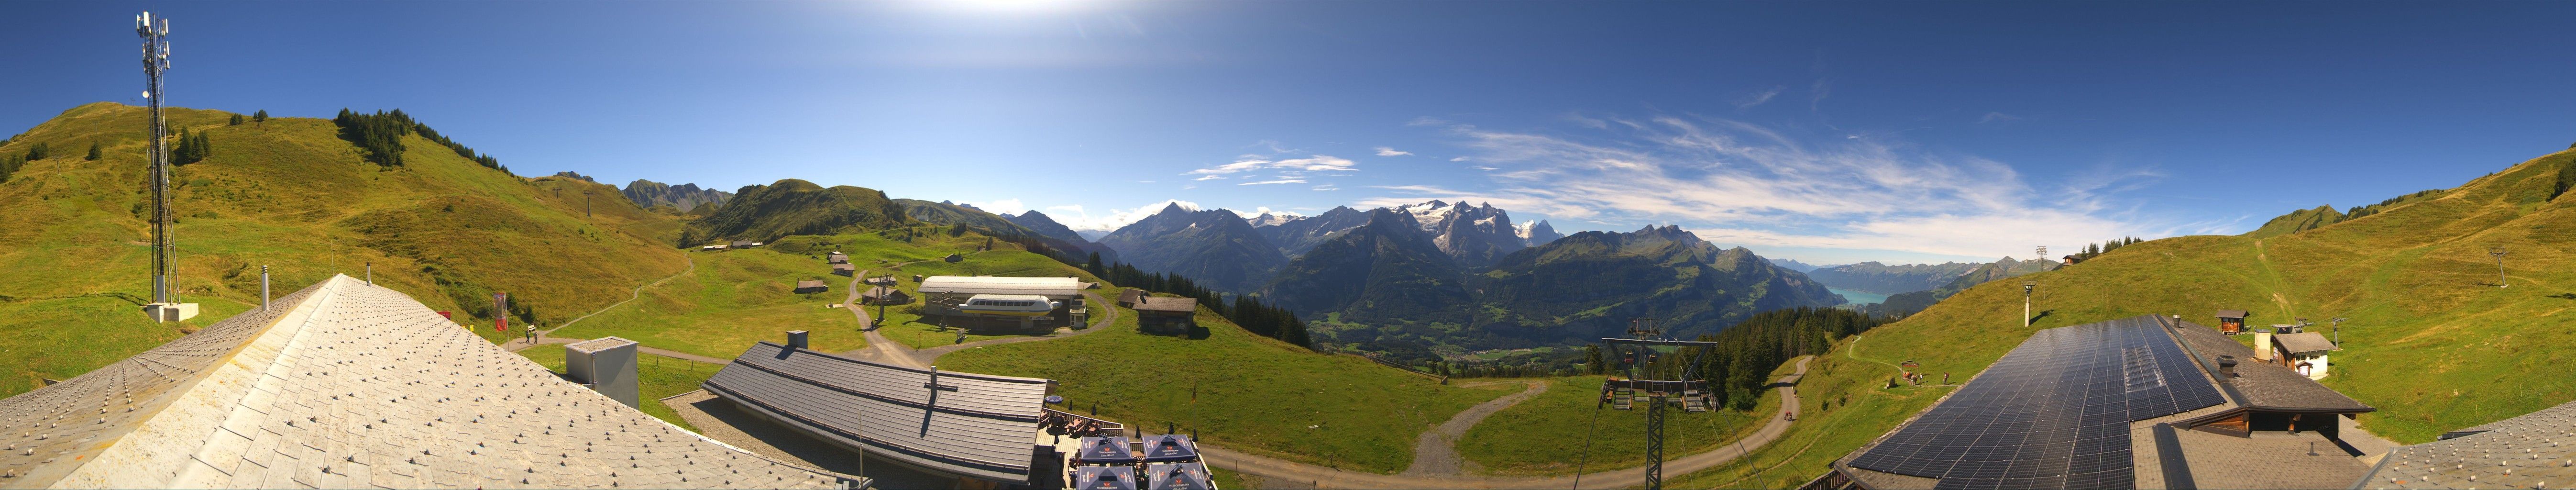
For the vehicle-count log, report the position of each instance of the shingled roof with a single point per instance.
(346, 385)
(2266, 386)
(1174, 305)
(972, 425)
(2530, 451)
(2304, 342)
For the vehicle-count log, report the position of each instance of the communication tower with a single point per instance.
(165, 304)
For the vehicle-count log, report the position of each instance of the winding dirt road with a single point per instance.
(1436, 452)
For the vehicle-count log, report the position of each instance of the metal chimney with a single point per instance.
(796, 339)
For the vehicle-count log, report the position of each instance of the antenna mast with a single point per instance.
(156, 59)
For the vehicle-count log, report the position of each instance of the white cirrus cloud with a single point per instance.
(1280, 181)
(1317, 163)
(1210, 177)
(1391, 152)
(1743, 183)
(1759, 97)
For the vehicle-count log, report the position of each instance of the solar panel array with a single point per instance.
(2053, 413)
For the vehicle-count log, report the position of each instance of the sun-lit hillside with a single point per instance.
(2431, 341)
(291, 194)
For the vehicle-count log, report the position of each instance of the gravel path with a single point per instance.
(1436, 452)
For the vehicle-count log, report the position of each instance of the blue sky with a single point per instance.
(1824, 132)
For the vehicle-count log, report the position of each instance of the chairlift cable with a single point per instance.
(1593, 427)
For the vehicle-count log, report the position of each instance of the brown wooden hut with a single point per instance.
(814, 286)
(2231, 322)
(1160, 315)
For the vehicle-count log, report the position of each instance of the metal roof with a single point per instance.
(2535, 450)
(346, 385)
(1052, 287)
(2236, 314)
(2303, 342)
(972, 425)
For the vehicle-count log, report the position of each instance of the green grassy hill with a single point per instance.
(2432, 342)
(291, 194)
(2298, 221)
(765, 213)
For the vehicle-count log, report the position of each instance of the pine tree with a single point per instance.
(1093, 265)
(40, 152)
(93, 151)
(260, 117)
(237, 120)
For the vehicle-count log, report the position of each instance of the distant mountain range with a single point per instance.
(1472, 236)
(1873, 277)
(683, 197)
(1793, 264)
(1215, 247)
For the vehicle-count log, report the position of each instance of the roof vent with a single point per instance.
(796, 339)
(2227, 366)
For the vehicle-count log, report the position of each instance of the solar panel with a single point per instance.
(2053, 413)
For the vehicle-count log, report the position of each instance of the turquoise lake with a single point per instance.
(1858, 297)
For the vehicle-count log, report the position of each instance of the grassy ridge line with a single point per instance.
(290, 194)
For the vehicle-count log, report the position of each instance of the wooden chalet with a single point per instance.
(1160, 315)
(837, 258)
(745, 244)
(1128, 298)
(2303, 352)
(845, 269)
(2231, 322)
(2072, 259)
(814, 286)
(882, 295)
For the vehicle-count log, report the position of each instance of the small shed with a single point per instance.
(2072, 259)
(882, 295)
(837, 258)
(1128, 298)
(1155, 314)
(2232, 321)
(2304, 352)
(813, 286)
(845, 269)
(955, 258)
(884, 280)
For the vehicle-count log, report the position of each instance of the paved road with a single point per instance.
(1283, 471)
(1436, 452)
(880, 349)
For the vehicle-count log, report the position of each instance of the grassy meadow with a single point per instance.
(733, 299)
(290, 194)
(1252, 393)
(1530, 439)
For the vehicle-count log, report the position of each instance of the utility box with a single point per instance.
(170, 312)
(607, 365)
